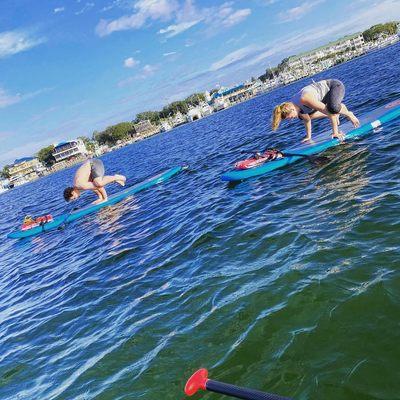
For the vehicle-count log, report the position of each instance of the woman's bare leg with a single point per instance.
(348, 114)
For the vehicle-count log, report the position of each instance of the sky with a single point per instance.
(70, 67)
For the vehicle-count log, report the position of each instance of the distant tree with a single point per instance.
(195, 99)
(5, 172)
(122, 131)
(269, 74)
(390, 28)
(45, 155)
(179, 106)
(165, 112)
(152, 116)
(94, 135)
(174, 108)
(89, 144)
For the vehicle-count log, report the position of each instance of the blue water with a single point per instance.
(288, 283)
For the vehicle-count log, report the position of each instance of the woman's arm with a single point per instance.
(307, 123)
(335, 130)
(309, 100)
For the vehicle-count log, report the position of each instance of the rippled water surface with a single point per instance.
(288, 283)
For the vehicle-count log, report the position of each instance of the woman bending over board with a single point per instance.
(321, 99)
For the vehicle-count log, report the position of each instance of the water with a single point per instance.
(288, 283)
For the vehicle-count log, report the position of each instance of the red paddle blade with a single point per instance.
(196, 382)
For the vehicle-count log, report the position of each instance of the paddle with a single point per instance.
(317, 160)
(64, 223)
(199, 380)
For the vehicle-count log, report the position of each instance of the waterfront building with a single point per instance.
(273, 83)
(25, 170)
(299, 66)
(165, 126)
(381, 41)
(145, 128)
(205, 109)
(178, 119)
(73, 149)
(231, 95)
(220, 104)
(193, 114)
(257, 87)
(4, 185)
(207, 96)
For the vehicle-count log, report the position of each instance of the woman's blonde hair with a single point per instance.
(280, 112)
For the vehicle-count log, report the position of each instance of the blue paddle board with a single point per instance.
(321, 142)
(63, 219)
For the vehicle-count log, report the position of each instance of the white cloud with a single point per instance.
(26, 149)
(232, 58)
(149, 70)
(130, 62)
(114, 4)
(183, 15)
(13, 42)
(173, 30)
(236, 17)
(171, 53)
(8, 99)
(320, 35)
(224, 16)
(146, 72)
(144, 10)
(44, 114)
(235, 40)
(59, 10)
(269, 2)
(298, 12)
(85, 8)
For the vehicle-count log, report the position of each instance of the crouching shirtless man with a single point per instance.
(90, 176)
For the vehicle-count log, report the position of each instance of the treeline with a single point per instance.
(373, 33)
(111, 135)
(270, 73)
(123, 131)
(5, 172)
(172, 109)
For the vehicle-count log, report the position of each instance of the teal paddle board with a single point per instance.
(321, 142)
(63, 219)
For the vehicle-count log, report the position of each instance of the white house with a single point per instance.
(66, 150)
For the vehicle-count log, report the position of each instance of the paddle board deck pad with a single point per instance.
(259, 159)
(63, 219)
(321, 142)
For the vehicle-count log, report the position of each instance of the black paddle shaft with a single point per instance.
(295, 155)
(239, 392)
(312, 158)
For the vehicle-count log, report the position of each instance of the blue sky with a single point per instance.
(69, 67)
